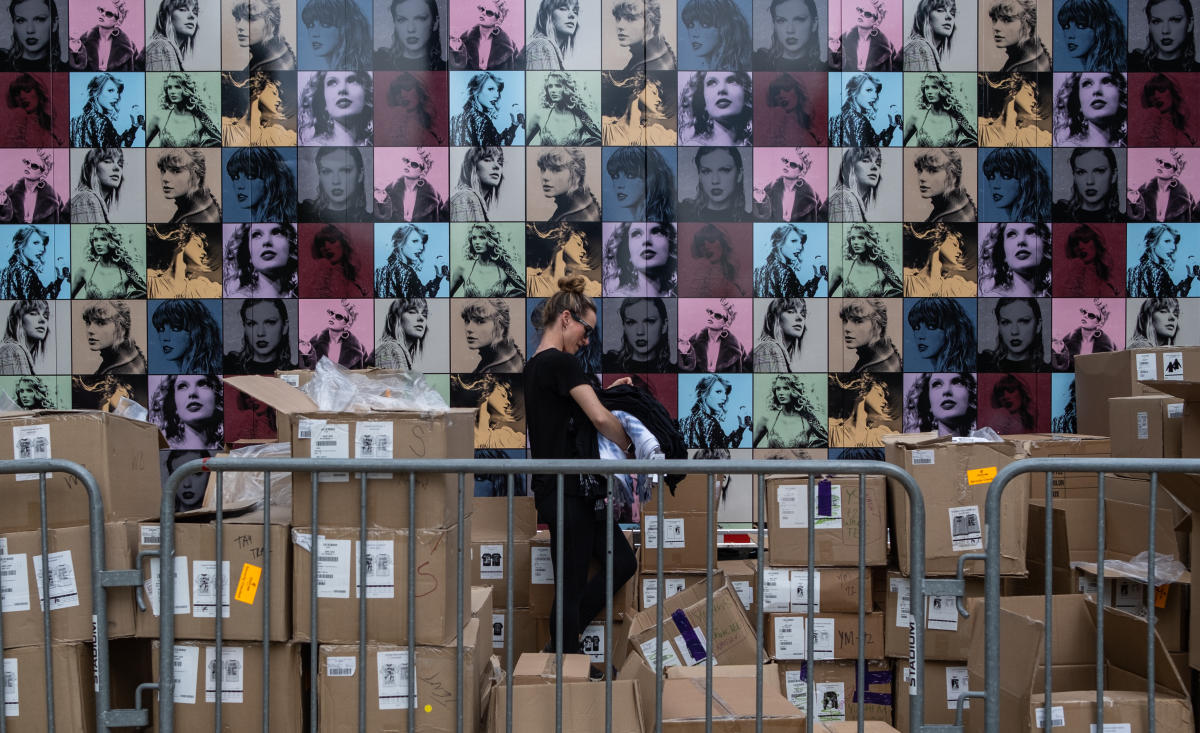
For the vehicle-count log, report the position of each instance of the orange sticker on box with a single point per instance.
(1160, 596)
(981, 475)
(247, 587)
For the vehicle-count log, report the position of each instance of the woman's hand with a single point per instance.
(622, 381)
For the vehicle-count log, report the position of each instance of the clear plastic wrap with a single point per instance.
(1166, 568)
(132, 410)
(336, 389)
(247, 486)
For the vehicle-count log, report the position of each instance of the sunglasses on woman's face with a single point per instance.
(588, 330)
(1169, 165)
(37, 167)
(869, 15)
(107, 13)
(339, 317)
(791, 164)
(488, 12)
(414, 164)
(715, 315)
(1090, 316)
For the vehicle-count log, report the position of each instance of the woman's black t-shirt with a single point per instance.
(551, 414)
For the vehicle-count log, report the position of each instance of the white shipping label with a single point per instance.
(1113, 728)
(341, 666)
(14, 582)
(824, 636)
(1128, 595)
(745, 592)
(793, 507)
(31, 442)
(12, 689)
(333, 568)
(381, 569)
(956, 685)
(374, 439)
(232, 669)
(673, 536)
(305, 427)
(151, 534)
(966, 529)
(800, 595)
(831, 701)
(183, 588)
(1172, 369)
(497, 631)
(3, 545)
(332, 440)
(1057, 718)
(187, 661)
(1175, 410)
(1143, 425)
(204, 589)
(789, 637)
(668, 654)
(650, 590)
(292, 379)
(543, 566)
(1147, 366)
(591, 642)
(903, 593)
(686, 653)
(392, 671)
(491, 562)
(923, 457)
(64, 593)
(777, 590)
(941, 614)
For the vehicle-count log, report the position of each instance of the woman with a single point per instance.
(641, 260)
(351, 353)
(1011, 398)
(1088, 270)
(945, 402)
(564, 181)
(112, 273)
(1015, 261)
(1094, 34)
(339, 33)
(31, 393)
(96, 125)
(1088, 338)
(639, 29)
(1153, 276)
(188, 336)
(783, 329)
(864, 330)
(642, 184)
(1090, 111)
(99, 187)
(645, 120)
(712, 270)
(939, 179)
(714, 348)
(186, 123)
(498, 413)
(793, 123)
(37, 46)
(21, 278)
(261, 261)
(854, 125)
(486, 330)
(263, 184)
(256, 28)
(944, 335)
(940, 274)
(416, 37)
(478, 191)
(1019, 342)
(791, 420)
(181, 173)
(402, 344)
(717, 108)
(491, 273)
(255, 120)
(705, 425)
(720, 187)
(1020, 122)
(485, 45)
(1014, 29)
(645, 339)
(29, 123)
(789, 188)
(1095, 195)
(409, 112)
(1020, 186)
(565, 120)
(1157, 324)
(569, 256)
(337, 108)
(26, 335)
(553, 36)
(476, 124)
(190, 411)
(943, 124)
(186, 273)
(1164, 121)
(864, 47)
(333, 272)
(795, 40)
(866, 272)
(869, 416)
(932, 34)
(857, 188)
(780, 275)
(1162, 198)
(401, 276)
(266, 341)
(1067, 422)
(1170, 41)
(108, 324)
(31, 199)
(719, 35)
(174, 37)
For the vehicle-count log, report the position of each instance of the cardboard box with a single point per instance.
(1127, 592)
(196, 663)
(734, 706)
(837, 523)
(538, 668)
(343, 435)
(835, 636)
(673, 582)
(591, 640)
(1062, 445)
(947, 634)
(121, 454)
(685, 537)
(1022, 629)
(541, 593)
(743, 576)
(836, 686)
(785, 590)
(387, 585)
(387, 671)
(583, 708)
(1147, 426)
(245, 585)
(1100, 377)
(25, 696)
(524, 633)
(489, 542)
(954, 478)
(733, 636)
(70, 585)
(944, 683)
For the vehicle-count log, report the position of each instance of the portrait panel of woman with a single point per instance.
(792, 108)
(1089, 35)
(943, 402)
(866, 109)
(108, 110)
(110, 261)
(412, 184)
(1161, 322)
(334, 34)
(1014, 334)
(181, 35)
(412, 334)
(36, 186)
(258, 35)
(261, 260)
(487, 335)
(183, 186)
(1160, 114)
(260, 335)
(563, 249)
(715, 410)
(35, 110)
(1163, 36)
(500, 401)
(36, 339)
(183, 109)
(791, 35)
(38, 263)
(641, 336)
(790, 184)
(865, 261)
(940, 260)
(639, 108)
(336, 108)
(258, 108)
(189, 410)
(328, 323)
(639, 34)
(123, 20)
(939, 110)
(1014, 184)
(639, 184)
(1161, 185)
(562, 108)
(711, 264)
(716, 108)
(945, 179)
(863, 184)
(185, 336)
(335, 260)
(939, 334)
(1089, 185)
(1015, 109)
(938, 35)
(1015, 35)
(410, 34)
(38, 392)
(1063, 406)
(1015, 403)
(487, 184)
(411, 108)
(335, 184)
(1087, 260)
(790, 260)
(1085, 326)
(791, 411)
(412, 260)
(1091, 109)
(104, 393)
(640, 259)
(1015, 259)
(1159, 262)
(487, 108)
(716, 334)
(259, 184)
(109, 185)
(562, 34)
(863, 408)
(715, 35)
(183, 261)
(788, 335)
(108, 337)
(487, 260)
(563, 184)
(866, 334)
(866, 37)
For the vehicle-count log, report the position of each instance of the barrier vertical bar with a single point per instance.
(810, 611)
(412, 600)
(658, 610)
(758, 633)
(218, 603)
(46, 603)
(1101, 549)
(458, 595)
(363, 560)
(609, 529)
(861, 671)
(558, 602)
(709, 524)
(508, 619)
(1151, 592)
(166, 606)
(314, 602)
(1048, 591)
(266, 642)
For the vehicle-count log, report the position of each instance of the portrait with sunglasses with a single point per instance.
(1080, 328)
(122, 52)
(713, 345)
(34, 168)
(335, 334)
(1164, 196)
(417, 193)
(864, 20)
(484, 19)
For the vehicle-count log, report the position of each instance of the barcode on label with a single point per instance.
(922, 458)
(341, 666)
(1057, 719)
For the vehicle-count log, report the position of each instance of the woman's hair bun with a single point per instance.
(572, 284)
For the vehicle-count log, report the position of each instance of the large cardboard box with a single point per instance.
(673, 582)
(1099, 377)
(70, 577)
(685, 540)
(835, 636)
(1127, 591)
(734, 706)
(1073, 655)
(944, 683)
(245, 585)
(837, 524)
(539, 668)
(337, 589)
(838, 696)
(1062, 445)
(743, 576)
(523, 635)
(25, 695)
(583, 708)
(685, 616)
(377, 435)
(785, 590)
(121, 454)
(240, 665)
(947, 635)
(541, 593)
(954, 478)
(489, 544)
(1146, 426)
